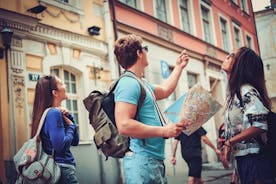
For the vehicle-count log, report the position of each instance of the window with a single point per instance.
(192, 79)
(224, 34)
(131, 3)
(184, 15)
(235, 1)
(244, 6)
(161, 10)
(69, 80)
(65, 1)
(173, 95)
(68, 5)
(248, 42)
(237, 37)
(206, 24)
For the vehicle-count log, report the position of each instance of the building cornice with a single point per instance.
(29, 27)
(70, 39)
(17, 21)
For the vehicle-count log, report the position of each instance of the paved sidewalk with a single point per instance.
(211, 174)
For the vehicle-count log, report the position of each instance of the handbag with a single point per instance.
(32, 164)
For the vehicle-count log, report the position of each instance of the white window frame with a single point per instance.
(228, 32)
(211, 23)
(252, 40)
(72, 96)
(168, 10)
(196, 77)
(72, 5)
(235, 26)
(138, 4)
(244, 6)
(188, 14)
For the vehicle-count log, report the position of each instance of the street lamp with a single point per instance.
(6, 35)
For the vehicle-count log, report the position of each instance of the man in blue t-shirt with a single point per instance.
(191, 153)
(144, 162)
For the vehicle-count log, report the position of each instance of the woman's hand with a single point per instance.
(225, 158)
(65, 113)
(63, 110)
(67, 120)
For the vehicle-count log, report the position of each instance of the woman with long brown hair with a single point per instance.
(59, 131)
(246, 117)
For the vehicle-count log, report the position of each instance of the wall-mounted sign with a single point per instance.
(165, 69)
(34, 76)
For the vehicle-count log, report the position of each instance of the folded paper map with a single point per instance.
(197, 106)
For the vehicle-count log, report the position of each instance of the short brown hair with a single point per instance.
(126, 49)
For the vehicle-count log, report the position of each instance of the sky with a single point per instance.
(260, 4)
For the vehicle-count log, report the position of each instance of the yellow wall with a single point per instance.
(61, 18)
(4, 118)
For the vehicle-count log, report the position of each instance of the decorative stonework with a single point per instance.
(16, 59)
(17, 43)
(165, 33)
(211, 51)
(74, 38)
(18, 91)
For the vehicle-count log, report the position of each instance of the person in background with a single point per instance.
(59, 131)
(144, 162)
(246, 117)
(191, 153)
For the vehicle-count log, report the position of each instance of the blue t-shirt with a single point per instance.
(58, 136)
(128, 90)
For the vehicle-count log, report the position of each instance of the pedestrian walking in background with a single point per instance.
(191, 151)
(144, 161)
(246, 117)
(59, 131)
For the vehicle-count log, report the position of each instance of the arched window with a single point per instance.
(70, 80)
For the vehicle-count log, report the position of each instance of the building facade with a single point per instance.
(266, 29)
(207, 29)
(72, 39)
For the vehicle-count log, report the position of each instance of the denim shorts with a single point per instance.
(142, 169)
(68, 174)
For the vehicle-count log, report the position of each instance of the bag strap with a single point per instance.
(41, 122)
(142, 89)
(160, 115)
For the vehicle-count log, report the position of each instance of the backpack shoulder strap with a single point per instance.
(142, 90)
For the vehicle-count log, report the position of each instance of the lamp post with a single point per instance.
(6, 35)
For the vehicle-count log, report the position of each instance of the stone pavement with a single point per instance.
(211, 174)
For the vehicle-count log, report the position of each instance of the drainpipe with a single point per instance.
(112, 4)
(114, 74)
(108, 34)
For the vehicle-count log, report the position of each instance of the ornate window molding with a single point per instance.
(72, 5)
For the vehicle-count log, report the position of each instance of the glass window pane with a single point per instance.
(73, 88)
(192, 80)
(66, 75)
(73, 78)
(76, 118)
(161, 10)
(75, 105)
(68, 105)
